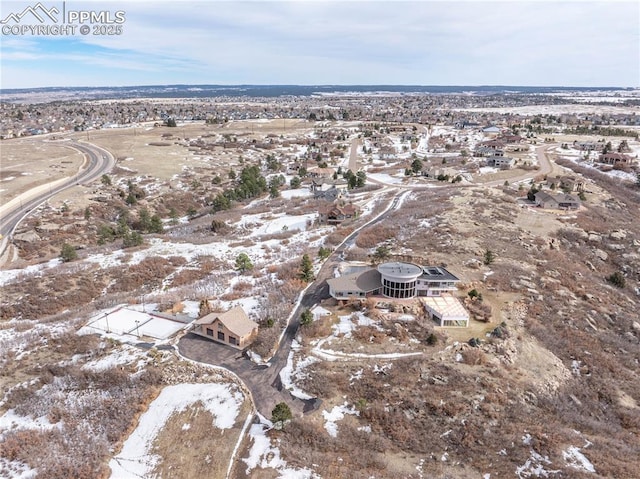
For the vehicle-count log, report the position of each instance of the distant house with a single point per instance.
(326, 183)
(434, 172)
(504, 162)
(491, 130)
(510, 139)
(317, 172)
(484, 151)
(233, 328)
(566, 183)
(337, 213)
(332, 194)
(614, 158)
(566, 201)
(493, 145)
(387, 153)
(588, 145)
(467, 125)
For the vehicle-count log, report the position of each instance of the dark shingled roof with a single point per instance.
(437, 273)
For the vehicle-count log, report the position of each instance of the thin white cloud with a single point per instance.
(422, 42)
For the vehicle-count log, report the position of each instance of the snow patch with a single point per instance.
(262, 454)
(120, 357)
(576, 459)
(289, 373)
(11, 421)
(535, 466)
(335, 415)
(135, 459)
(15, 470)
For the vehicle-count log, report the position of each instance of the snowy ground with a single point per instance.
(343, 329)
(539, 466)
(386, 178)
(297, 193)
(336, 414)
(10, 421)
(293, 371)
(264, 455)
(15, 470)
(135, 459)
(261, 250)
(123, 355)
(21, 342)
(577, 157)
(9, 275)
(264, 224)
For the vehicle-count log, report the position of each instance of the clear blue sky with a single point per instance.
(567, 43)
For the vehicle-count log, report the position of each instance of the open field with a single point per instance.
(31, 162)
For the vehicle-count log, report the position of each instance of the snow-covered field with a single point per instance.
(123, 355)
(260, 250)
(386, 178)
(136, 459)
(15, 470)
(264, 224)
(554, 109)
(297, 193)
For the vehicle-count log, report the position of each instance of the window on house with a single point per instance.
(220, 326)
(220, 336)
(209, 332)
(233, 340)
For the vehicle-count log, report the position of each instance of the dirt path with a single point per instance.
(546, 167)
(353, 155)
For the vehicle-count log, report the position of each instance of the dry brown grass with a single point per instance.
(203, 450)
(375, 235)
(93, 413)
(319, 328)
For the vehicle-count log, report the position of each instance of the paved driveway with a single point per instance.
(263, 381)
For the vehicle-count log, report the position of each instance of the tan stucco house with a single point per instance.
(233, 328)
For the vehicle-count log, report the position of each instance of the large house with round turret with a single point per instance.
(400, 280)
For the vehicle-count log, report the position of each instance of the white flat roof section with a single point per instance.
(448, 309)
(401, 271)
(136, 323)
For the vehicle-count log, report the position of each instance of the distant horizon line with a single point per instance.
(324, 85)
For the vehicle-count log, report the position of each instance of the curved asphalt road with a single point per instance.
(98, 161)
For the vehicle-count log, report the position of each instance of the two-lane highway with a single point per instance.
(98, 161)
